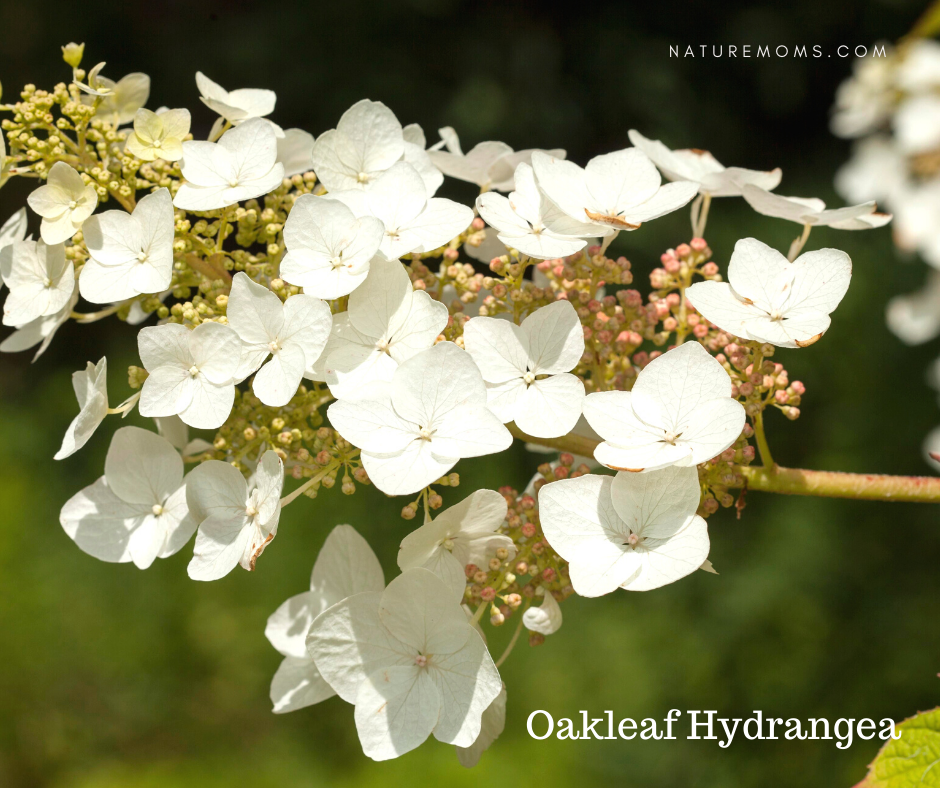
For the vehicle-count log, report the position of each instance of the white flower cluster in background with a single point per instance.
(283, 271)
(891, 107)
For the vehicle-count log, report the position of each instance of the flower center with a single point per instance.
(362, 177)
(47, 282)
(425, 433)
(671, 437)
(529, 378)
(448, 544)
(776, 316)
(274, 346)
(141, 257)
(193, 371)
(383, 346)
(157, 510)
(233, 182)
(337, 262)
(633, 540)
(421, 661)
(250, 510)
(72, 205)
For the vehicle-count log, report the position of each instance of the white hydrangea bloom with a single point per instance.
(546, 619)
(635, 531)
(237, 519)
(616, 191)
(295, 152)
(413, 222)
(40, 331)
(123, 98)
(159, 135)
(528, 221)
(387, 323)
(413, 431)
(13, 230)
(489, 165)
(64, 203)
(345, 566)
(236, 106)
(701, 167)
(410, 662)
(493, 722)
(91, 391)
(329, 250)
(812, 211)
(129, 254)
(192, 373)
(527, 368)
(463, 534)
(137, 511)
(679, 412)
(41, 281)
(770, 299)
(366, 142)
(240, 166)
(914, 317)
(293, 333)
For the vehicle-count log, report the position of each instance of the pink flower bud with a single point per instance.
(488, 594)
(477, 223)
(528, 530)
(710, 269)
(698, 244)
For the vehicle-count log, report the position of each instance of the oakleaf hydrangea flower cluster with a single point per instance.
(324, 315)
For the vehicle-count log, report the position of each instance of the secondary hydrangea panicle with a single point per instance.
(413, 222)
(293, 333)
(528, 221)
(616, 191)
(241, 165)
(137, 511)
(546, 619)
(329, 250)
(769, 299)
(91, 391)
(387, 323)
(635, 531)
(410, 661)
(41, 281)
(237, 518)
(236, 106)
(64, 203)
(159, 135)
(414, 431)
(345, 566)
(812, 211)
(191, 372)
(699, 166)
(366, 142)
(129, 254)
(679, 412)
(461, 535)
(526, 368)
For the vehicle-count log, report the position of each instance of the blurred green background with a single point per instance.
(114, 677)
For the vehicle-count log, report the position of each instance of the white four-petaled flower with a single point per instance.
(41, 281)
(293, 333)
(129, 254)
(812, 211)
(137, 511)
(528, 221)
(91, 391)
(387, 323)
(328, 249)
(236, 106)
(616, 191)
(679, 412)
(704, 169)
(461, 535)
(413, 431)
(527, 368)
(241, 165)
(410, 661)
(345, 566)
(237, 519)
(192, 373)
(769, 299)
(159, 135)
(64, 203)
(635, 531)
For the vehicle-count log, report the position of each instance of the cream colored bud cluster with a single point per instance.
(507, 584)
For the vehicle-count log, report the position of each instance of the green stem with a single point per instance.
(512, 642)
(791, 481)
(762, 446)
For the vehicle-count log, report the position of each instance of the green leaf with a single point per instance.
(913, 761)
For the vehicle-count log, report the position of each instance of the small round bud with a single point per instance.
(488, 594)
(409, 512)
(502, 553)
